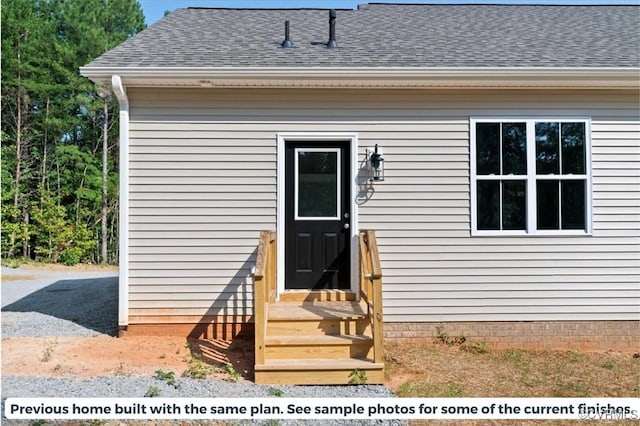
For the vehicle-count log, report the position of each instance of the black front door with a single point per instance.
(317, 215)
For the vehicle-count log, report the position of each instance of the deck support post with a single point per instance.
(264, 288)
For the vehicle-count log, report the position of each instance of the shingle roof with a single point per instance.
(378, 35)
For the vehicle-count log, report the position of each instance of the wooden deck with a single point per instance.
(316, 310)
(320, 337)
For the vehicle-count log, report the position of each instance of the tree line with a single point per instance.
(59, 131)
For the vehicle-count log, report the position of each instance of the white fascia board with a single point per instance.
(593, 78)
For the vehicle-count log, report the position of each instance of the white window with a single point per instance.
(530, 176)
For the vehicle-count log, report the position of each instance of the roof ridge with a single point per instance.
(498, 4)
(265, 8)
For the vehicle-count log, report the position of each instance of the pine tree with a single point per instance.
(53, 125)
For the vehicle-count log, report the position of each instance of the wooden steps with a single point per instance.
(317, 371)
(286, 311)
(318, 337)
(317, 296)
(320, 346)
(318, 342)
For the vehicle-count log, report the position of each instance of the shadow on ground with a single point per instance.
(223, 354)
(91, 303)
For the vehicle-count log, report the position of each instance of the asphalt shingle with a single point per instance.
(378, 35)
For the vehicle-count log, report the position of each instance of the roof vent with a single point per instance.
(331, 44)
(287, 43)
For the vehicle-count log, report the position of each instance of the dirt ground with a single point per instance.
(102, 355)
(412, 371)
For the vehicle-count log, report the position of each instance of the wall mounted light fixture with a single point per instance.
(375, 162)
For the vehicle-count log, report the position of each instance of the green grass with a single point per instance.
(235, 375)
(576, 356)
(152, 392)
(453, 391)
(571, 388)
(479, 347)
(416, 389)
(197, 368)
(608, 363)
(473, 369)
(275, 392)
(358, 377)
(169, 377)
(514, 356)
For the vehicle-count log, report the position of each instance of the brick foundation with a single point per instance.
(206, 331)
(549, 335)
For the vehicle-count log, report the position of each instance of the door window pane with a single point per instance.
(514, 148)
(573, 153)
(514, 205)
(547, 148)
(488, 204)
(573, 204)
(548, 200)
(488, 148)
(317, 184)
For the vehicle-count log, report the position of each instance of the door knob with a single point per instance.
(346, 226)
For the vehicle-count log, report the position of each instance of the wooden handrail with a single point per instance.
(372, 243)
(371, 288)
(264, 283)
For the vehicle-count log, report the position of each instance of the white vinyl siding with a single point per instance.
(203, 184)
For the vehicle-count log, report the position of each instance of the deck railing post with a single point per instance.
(264, 281)
(371, 289)
(271, 290)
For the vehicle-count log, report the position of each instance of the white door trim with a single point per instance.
(282, 139)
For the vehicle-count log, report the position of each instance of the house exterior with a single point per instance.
(510, 205)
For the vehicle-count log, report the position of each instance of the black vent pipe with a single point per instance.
(287, 43)
(331, 44)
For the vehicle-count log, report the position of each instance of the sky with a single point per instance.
(154, 9)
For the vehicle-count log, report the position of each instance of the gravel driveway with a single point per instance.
(37, 303)
(58, 304)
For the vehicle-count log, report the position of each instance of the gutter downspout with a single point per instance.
(123, 283)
